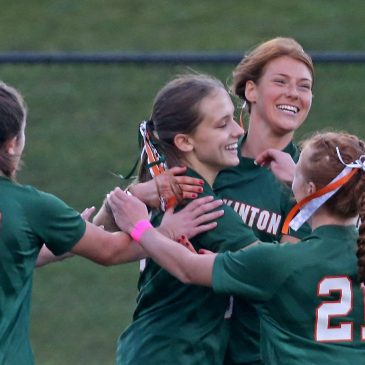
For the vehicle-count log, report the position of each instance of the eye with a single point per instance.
(305, 86)
(279, 81)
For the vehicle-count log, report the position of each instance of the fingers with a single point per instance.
(189, 181)
(194, 205)
(201, 207)
(177, 170)
(87, 213)
(189, 188)
(203, 251)
(209, 217)
(204, 228)
(116, 197)
(183, 240)
(265, 158)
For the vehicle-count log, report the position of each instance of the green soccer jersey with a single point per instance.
(182, 324)
(263, 203)
(308, 296)
(28, 218)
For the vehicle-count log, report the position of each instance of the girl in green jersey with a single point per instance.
(35, 226)
(274, 81)
(192, 123)
(308, 295)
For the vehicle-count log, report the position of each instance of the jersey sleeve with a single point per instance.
(57, 225)
(254, 273)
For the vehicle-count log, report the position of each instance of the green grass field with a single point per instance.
(82, 124)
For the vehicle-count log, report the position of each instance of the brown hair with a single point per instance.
(252, 65)
(176, 110)
(13, 113)
(323, 165)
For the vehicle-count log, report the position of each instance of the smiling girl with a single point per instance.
(275, 82)
(191, 123)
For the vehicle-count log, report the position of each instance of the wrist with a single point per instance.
(139, 229)
(165, 232)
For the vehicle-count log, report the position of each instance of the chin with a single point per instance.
(234, 162)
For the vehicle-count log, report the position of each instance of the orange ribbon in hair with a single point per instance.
(156, 165)
(330, 187)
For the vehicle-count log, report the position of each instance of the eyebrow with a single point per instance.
(285, 75)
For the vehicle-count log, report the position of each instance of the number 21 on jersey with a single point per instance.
(343, 331)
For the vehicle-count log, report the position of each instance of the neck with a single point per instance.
(322, 217)
(260, 137)
(208, 172)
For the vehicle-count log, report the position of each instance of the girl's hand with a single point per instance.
(279, 163)
(127, 209)
(197, 217)
(170, 184)
(87, 213)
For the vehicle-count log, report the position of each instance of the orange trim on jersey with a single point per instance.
(316, 194)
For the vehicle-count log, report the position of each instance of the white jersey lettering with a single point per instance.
(263, 220)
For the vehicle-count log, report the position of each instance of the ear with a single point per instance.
(183, 142)
(311, 188)
(10, 146)
(250, 91)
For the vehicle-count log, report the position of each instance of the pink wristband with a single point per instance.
(140, 227)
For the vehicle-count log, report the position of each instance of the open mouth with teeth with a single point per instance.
(288, 108)
(232, 147)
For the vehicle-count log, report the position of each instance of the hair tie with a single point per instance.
(357, 164)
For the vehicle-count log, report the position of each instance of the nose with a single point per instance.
(292, 91)
(237, 130)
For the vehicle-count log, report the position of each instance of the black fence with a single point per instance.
(157, 58)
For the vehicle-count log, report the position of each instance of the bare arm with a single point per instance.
(178, 260)
(46, 257)
(107, 248)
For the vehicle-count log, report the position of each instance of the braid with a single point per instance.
(361, 241)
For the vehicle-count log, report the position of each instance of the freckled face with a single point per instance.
(283, 95)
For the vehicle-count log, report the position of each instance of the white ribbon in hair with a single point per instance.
(358, 164)
(307, 210)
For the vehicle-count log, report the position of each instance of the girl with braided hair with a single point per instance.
(361, 241)
(308, 295)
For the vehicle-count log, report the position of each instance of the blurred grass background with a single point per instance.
(82, 123)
